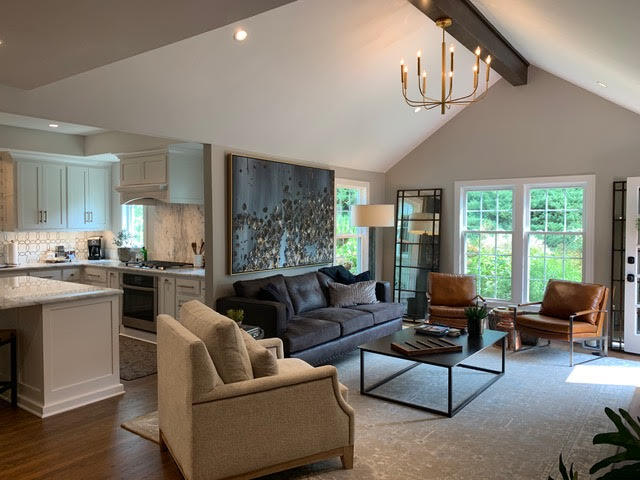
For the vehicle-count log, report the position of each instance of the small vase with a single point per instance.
(475, 327)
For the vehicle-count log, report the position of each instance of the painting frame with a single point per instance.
(324, 242)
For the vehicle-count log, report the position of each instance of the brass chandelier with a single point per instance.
(446, 98)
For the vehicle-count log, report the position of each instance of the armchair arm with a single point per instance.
(528, 304)
(383, 292)
(270, 316)
(274, 345)
(586, 312)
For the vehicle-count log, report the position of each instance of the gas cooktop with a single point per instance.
(158, 264)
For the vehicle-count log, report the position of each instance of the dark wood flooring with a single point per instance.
(86, 443)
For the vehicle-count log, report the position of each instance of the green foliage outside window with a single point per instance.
(348, 243)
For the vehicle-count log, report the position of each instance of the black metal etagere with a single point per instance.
(616, 317)
(417, 248)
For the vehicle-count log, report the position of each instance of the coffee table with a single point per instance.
(470, 346)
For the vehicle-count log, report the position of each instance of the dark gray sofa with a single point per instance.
(315, 331)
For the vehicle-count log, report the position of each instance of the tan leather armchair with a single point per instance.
(569, 311)
(448, 295)
(250, 428)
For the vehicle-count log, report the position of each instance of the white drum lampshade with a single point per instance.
(372, 216)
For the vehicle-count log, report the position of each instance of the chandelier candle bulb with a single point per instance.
(488, 67)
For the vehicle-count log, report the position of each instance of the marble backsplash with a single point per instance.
(171, 229)
(33, 246)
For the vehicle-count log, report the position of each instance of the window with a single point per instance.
(133, 222)
(488, 236)
(351, 243)
(514, 235)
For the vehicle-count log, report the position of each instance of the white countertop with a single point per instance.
(25, 291)
(112, 264)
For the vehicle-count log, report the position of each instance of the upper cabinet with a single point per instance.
(172, 175)
(87, 197)
(41, 196)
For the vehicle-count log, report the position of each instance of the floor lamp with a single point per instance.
(372, 216)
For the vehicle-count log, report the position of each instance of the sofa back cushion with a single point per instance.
(452, 290)
(305, 292)
(263, 363)
(255, 289)
(361, 293)
(562, 299)
(223, 340)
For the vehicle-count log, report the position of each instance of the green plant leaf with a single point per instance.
(627, 472)
(623, 438)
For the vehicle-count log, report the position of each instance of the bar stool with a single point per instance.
(9, 337)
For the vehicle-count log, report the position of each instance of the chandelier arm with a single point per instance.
(424, 96)
(416, 103)
(466, 96)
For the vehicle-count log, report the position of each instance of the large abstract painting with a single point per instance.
(281, 215)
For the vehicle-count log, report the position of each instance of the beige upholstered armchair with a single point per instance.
(246, 429)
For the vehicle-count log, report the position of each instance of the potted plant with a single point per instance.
(236, 315)
(475, 319)
(123, 241)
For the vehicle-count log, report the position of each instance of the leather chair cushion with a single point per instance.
(305, 292)
(562, 299)
(303, 333)
(452, 290)
(350, 320)
(444, 311)
(552, 324)
(382, 311)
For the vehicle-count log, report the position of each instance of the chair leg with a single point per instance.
(571, 350)
(347, 458)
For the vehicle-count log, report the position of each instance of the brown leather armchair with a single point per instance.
(447, 297)
(569, 311)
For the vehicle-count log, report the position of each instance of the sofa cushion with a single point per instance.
(448, 312)
(274, 294)
(303, 333)
(382, 312)
(223, 340)
(452, 290)
(350, 321)
(554, 324)
(562, 299)
(252, 288)
(263, 363)
(305, 292)
(361, 293)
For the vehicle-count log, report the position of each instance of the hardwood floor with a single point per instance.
(86, 443)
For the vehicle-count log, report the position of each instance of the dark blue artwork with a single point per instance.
(282, 215)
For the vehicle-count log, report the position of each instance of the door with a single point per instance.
(76, 197)
(28, 192)
(97, 198)
(54, 199)
(631, 294)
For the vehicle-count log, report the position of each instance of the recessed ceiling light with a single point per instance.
(1, 41)
(417, 109)
(601, 84)
(240, 35)
(53, 125)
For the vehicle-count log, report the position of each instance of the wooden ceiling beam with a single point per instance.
(472, 29)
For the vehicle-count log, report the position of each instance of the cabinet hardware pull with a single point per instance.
(39, 216)
(190, 287)
(46, 216)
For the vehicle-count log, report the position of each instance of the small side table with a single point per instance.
(8, 337)
(253, 330)
(501, 318)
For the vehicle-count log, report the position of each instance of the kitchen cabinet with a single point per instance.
(49, 273)
(114, 279)
(87, 197)
(188, 289)
(41, 196)
(95, 276)
(167, 296)
(144, 169)
(71, 275)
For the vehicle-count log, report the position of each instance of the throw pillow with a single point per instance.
(263, 363)
(361, 293)
(223, 340)
(363, 277)
(338, 273)
(273, 294)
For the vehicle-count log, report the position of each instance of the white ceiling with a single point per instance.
(581, 41)
(315, 80)
(43, 124)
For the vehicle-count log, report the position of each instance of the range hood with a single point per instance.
(171, 175)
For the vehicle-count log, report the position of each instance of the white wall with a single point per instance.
(546, 128)
(18, 138)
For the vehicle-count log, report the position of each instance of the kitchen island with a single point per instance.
(68, 351)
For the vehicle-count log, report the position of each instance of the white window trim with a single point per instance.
(363, 232)
(521, 187)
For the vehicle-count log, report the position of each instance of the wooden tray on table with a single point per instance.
(426, 345)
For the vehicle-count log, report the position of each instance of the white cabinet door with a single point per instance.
(76, 197)
(632, 293)
(113, 279)
(28, 191)
(144, 169)
(167, 296)
(49, 273)
(98, 198)
(54, 201)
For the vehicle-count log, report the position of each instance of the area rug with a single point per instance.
(137, 358)
(514, 430)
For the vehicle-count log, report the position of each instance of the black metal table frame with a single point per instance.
(451, 410)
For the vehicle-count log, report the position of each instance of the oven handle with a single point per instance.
(142, 289)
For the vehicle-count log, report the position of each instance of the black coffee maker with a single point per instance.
(94, 245)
